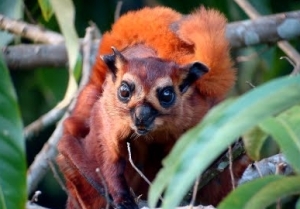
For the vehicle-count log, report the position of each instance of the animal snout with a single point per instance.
(143, 116)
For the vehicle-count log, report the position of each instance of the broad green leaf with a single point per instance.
(197, 149)
(285, 130)
(254, 141)
(46, 8)
(12, 149)
(261, 193)
(239, 198)
(11, 9)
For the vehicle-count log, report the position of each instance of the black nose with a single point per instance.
(144, 115)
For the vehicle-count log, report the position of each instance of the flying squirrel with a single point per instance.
(157, 73)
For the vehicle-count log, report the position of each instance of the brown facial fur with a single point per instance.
(148, 75)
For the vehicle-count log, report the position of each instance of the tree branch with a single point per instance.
(265, 167)
(44, 121)
(32, 32)
(58, 111)
(30, 56)
(286, 27)
(264, 30)
(39, 167)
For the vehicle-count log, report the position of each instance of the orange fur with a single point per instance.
(158, 45)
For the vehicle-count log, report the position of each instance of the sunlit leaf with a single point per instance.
(46, 8)
(240, 196)
(254, 141)
(285, 130)
(261, 193)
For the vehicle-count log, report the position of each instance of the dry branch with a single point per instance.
(40, 166)
(44, 121)
(264, 30)
(267, 166)
(32, 32)
(58, 111)
(286, 27)
(30, 56)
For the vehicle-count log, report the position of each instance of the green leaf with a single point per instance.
(298, 204)
(11, 9)
(286, 132)
(12, 149)
(197, 149)
(65, 13)
(244, 193)
(254, 141)
(261, 193)
(46, 8)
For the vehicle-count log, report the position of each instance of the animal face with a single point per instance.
(150, 91)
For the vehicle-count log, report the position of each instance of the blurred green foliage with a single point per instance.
(39, 90)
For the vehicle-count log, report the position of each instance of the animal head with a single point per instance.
(150, 92)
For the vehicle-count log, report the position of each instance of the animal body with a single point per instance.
(157, 73)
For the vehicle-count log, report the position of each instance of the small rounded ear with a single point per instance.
(114, 61)
(192, 72)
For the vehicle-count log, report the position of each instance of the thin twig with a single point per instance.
(56, 176)
(118, 10)
(292, 53)
(136, 168)
(44, 121)
(97, 32)
(35, 196)
(285, 46)
(29, 31)
(279, 171)
(289, 60)
(105, 187)
(248, 9)
(245, 58)
(86, 49)
(39, 167)
(250, 84)
(28, 14)
(278, 204)
(195, 190)
(61, 183)
(230, 159)
(258, 169)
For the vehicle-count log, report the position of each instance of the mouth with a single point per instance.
(142, 130)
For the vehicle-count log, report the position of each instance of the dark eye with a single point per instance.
(166, 96)
(125, 91)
